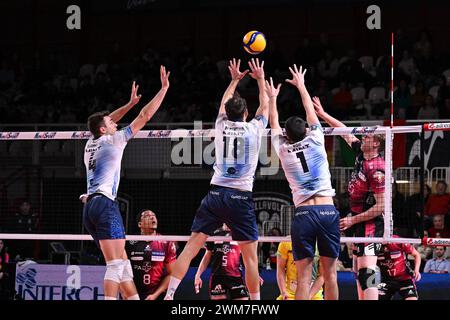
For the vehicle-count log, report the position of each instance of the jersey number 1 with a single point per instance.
(302, 159)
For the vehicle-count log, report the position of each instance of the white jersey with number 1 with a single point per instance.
(237, 146)
(305, 164)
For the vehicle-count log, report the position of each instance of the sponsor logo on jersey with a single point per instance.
(378, 176)
(137, 258)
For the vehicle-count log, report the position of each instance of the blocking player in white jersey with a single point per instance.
(230, 201)
(101, 215)
(304, 161)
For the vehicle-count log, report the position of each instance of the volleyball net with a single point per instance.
(169, 170)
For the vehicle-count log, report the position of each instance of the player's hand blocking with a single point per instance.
(164, 78)
(298, 76)
(134, 98)
(234, 70)
(270, 89)
(256, 68)
(318, 107)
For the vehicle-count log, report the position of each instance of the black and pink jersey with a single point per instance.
(148, 260)
(226, 257)
(367, 178)
(393, 263)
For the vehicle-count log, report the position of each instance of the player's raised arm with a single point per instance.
(150, 108)
(332, 122)
(272, 94)
(257, 73)
(118, 114)
(236, 76)
(298, 80)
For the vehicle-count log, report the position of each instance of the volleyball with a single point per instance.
(254, 42)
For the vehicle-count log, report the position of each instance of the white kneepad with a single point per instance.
(114, 270)
(127, 271)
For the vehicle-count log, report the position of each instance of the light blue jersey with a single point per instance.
(237, 146)
(305, 164)
(102, 158)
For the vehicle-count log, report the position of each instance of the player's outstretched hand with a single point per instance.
(318, 106)
(235, 73)
(298, 76)
(164, 77)
(270, 89)
(256, 68)
(134, 98)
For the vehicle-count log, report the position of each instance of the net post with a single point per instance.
(388, 185)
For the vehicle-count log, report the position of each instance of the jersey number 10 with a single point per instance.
(232, 143)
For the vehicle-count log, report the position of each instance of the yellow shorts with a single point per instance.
(291, 296)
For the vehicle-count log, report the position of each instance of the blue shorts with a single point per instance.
(230, 206)
(102, 219)
(315, 223)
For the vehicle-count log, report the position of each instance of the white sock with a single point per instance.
(110, 298)
(173, 285)
(135, 297)
(254, 296)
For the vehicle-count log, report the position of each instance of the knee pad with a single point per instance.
(114, 270)
(127, 271)
(368, 278)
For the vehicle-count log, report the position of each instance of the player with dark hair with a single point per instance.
(151, 261)
(230, 201)
(102, 158)
(366, 191)
(304, 161)
(396, 272)
(226, 280)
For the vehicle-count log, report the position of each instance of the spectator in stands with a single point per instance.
(438, 230)
(407, 66)
(429, 110)
(438, 264)
(415, 207)
(399, 213)
(328, 66)
(323, 92)
(443, 92)
(444, 113)
(402, 99)
(269, 249)
(423, 45)
(342, 101)
(438, 203)
(24, 220)
(417, 100)
(426, 252)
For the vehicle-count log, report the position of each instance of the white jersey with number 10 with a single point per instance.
(237, 146)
